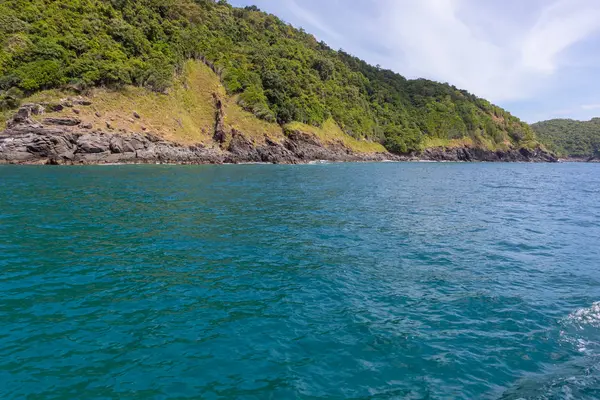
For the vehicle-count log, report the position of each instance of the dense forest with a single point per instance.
(570, 138)
(277, 72)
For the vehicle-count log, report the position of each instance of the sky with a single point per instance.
(539, 59)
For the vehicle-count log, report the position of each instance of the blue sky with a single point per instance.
(539, 59)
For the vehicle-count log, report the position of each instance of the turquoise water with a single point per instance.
(383, 281)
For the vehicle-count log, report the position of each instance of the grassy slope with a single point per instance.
(477, 142)
(186, 114)
(331, 133)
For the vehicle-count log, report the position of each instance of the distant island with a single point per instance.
(577, 140)
(201, 81)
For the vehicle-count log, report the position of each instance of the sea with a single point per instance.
(324, 281)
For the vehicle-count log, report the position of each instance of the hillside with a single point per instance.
(186, 114)
(269, 74)
(570, 138)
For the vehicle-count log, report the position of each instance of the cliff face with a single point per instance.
(68, 140)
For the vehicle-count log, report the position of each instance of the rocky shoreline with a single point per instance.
(67, 141)
(35, 144)
(580, 159)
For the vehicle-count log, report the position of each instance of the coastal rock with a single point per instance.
(52, 146)
(273, 152)
(32, 147)
(479, 154)
(24, 113)
(151, 137)
(592, 159)
(137, 142)
(116, 145)
(307, 147)
(220, 135)
(36, 109)
(82, 101)
(68, 141)
(53, 107)
(66, 121)
(242, 149)
(13, 150)
(93, 143)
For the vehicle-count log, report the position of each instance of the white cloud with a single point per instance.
(431, 38)
(560, 25)
(590, 107)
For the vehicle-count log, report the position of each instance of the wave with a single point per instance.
(581, 330)
(577, 378)
(586, 317)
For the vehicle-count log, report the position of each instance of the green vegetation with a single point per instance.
(185, 115)
(272, 70)
(570, 138)
(331, 133)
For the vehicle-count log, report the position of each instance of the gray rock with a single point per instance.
(24, 113)
(54, 107)
(93, 143)
(32, 143)
(82, 101)
(479, 154)
(220, 133)
(242, 149)
(120, 145)
(135, 142)
(36, 109)
(66, 121)
(47, 146)
(116, 145)
(152, 137)
(22, 116)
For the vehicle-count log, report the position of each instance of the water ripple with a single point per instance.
(362, 281)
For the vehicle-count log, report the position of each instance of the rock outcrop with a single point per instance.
(220, 135)
(479, 154)
(31, 144)
(67, 140)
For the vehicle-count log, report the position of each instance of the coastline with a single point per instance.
(580, 160)
(69, 141)
(42, 145)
